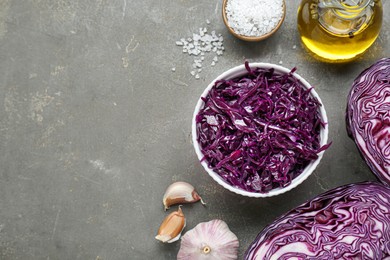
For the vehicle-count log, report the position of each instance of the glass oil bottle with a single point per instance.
(339, 30)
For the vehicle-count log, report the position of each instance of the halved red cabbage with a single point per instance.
(259, 131)
(368, 117)
(349, 222)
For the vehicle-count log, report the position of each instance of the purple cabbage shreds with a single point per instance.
(259, 131)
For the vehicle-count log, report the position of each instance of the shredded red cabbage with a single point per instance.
(348, 222)
(259, 131)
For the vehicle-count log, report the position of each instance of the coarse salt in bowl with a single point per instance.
(253, 20)
(241, 71)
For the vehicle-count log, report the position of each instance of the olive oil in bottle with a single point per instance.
(339, 30)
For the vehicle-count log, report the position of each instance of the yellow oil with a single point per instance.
(341, 44)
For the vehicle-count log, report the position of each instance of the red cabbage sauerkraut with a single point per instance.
(261, 130)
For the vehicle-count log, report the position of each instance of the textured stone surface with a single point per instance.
(94, 125)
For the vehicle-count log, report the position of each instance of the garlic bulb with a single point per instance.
(209, 240)
(171, 227)
(180, 192)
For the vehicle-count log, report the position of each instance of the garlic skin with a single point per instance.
(209, 240)
(179, 193)
(171, 227)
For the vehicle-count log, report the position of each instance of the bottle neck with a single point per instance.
(347, 9)
(345, 17)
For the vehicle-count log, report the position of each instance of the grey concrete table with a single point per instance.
(94, 125)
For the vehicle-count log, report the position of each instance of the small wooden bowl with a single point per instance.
(252, 38)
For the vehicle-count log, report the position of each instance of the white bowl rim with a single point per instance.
(240, 71)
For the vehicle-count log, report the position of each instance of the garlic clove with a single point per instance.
(171, 227)
(209, 240)
(180, 192)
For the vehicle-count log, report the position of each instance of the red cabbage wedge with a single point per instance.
(368, 117)
(348, 222)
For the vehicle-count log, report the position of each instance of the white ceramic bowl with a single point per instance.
(241, 71)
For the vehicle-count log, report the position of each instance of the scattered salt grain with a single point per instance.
(254, 17)
(294, 47)
(173, 69)
(280, 62)
(202, 43)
